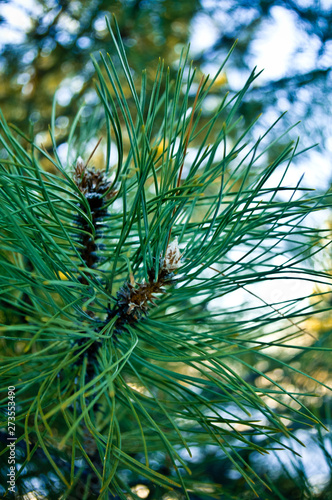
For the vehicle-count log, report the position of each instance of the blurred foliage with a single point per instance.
(57, 38)
(60, 38)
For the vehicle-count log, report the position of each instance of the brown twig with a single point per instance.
(135, 299)
(93, 152)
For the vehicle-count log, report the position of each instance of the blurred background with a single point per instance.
(46, 46)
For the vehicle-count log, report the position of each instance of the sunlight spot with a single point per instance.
(141, 490)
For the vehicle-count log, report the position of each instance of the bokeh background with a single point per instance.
(45, 46)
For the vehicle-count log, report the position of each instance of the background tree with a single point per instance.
(55, 40)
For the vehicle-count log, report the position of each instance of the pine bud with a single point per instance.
(172, 259)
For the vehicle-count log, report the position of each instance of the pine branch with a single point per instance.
(95, 188)
(117, 343)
